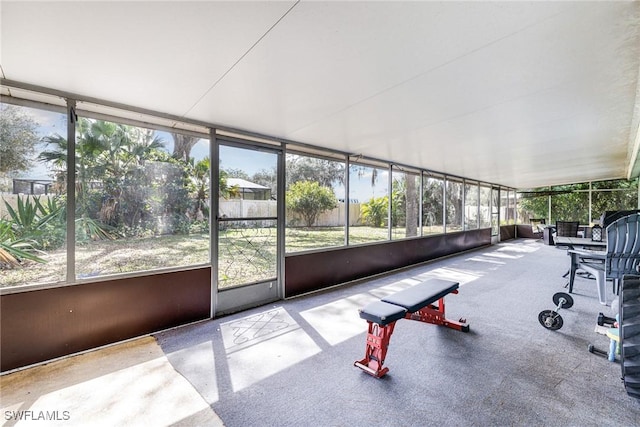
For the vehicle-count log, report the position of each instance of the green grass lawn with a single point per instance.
(245, 255)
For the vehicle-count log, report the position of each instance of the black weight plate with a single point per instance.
(550, 320)
(568, 301)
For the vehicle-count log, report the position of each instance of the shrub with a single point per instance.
(309, 199)
(375, 211)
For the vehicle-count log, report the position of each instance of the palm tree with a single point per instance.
(108, 155)
(200, 178)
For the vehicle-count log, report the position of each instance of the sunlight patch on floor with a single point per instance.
(127, 384)
(198, 361)
(452, 274)
(394, 287)
(339, 320)
(519, 247)
(483, 259)
(262, 345)
(502, 255)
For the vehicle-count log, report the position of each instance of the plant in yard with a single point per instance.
(89, 229)
(18, 139)
(111, 162)
(224, 190)
(34, 222)
(309, 199)
(375, 211)
(12, 249)
(199, 175)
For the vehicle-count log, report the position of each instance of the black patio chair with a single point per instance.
(567, 228)
(538, 225)
(622, 255)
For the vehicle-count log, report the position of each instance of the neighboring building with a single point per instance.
(249, 190)
(32, 186)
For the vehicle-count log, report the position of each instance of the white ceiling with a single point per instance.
(521, 94)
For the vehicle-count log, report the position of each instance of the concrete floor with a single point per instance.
(291, 363)
(131, 383)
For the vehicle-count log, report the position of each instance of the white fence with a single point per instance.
(238, 208)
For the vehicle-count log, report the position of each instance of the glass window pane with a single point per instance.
(432, 206)
(507, 207)
(485, 207)
(616, 184)
(248, 232)
(612, 200)
(570, 207)
(405, 204)
(471, 206)
(32, 196)
(571, 187)
(530, 206)
(495, 211)
(247, 252)
(316, 206)
(369, 204)
(248, 183)
(140, 205)
(454, 205)
(513, 214)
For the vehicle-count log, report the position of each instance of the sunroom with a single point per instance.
(380, 135)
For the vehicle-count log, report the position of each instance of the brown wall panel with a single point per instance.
(507, 232)
(319, 270)
(525, 231)
(40, 325)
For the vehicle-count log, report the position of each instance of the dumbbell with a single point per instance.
(550, 319)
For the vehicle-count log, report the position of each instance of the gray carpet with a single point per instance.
(291, 363)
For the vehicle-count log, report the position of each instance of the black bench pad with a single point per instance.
(382, 313)
(422, 294)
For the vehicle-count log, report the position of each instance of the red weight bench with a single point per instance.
(415, 303)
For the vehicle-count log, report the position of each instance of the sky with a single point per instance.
(250, 161)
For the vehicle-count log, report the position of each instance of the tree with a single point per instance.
(412, 207)
(199, 175)
(182, 145)
(237, 173)
(309, 199)
(405, 204)
(224, 190)
(303, 168)
(18, 139)
(571, 202)
(124, 178)
(375, 211)
(432, 201)
(268, 178)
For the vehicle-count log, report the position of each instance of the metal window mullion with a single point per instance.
(478, 205)
(214, 191)
(590, 193)
(71, 191)
(390, 198)
(281, 220)
(420, 202)
(549, 206)
(347, 200)
(445, 181)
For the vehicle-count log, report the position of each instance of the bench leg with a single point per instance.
(376, 349)
(436, 316)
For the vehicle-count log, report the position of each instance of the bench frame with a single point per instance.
(379, 334)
